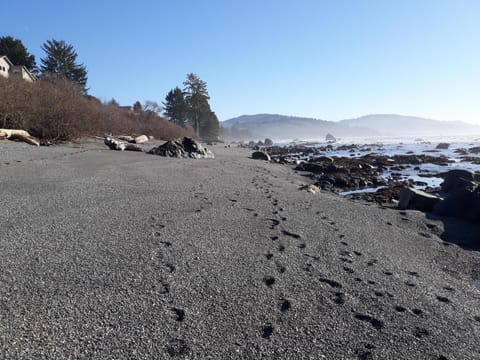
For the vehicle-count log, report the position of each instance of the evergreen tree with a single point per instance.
(199, 113)
(209, 126)
(137, 107)
(112, 102)
(61, 61)
(176, 107)
(17, 53)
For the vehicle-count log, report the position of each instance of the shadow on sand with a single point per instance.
(459, 232)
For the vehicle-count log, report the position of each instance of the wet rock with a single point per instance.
(268, 142)
(261, 155)
(182, 148)
(463, 196)
(322, 159)
(411, 198)
(474, 150)
(442, 146)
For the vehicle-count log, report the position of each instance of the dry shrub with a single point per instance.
(56, 110)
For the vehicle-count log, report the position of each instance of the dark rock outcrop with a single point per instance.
(261, 155)
(182, 148)
(442, 146)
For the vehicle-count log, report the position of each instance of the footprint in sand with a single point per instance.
(267, 331)
(269, 280)
(332, 283)
(443, 299)
(417, 312)
(285, 305)
(376, 324)
(293, 235)
(179, 313)
(420, 332)
(280, 268)
(339, 298)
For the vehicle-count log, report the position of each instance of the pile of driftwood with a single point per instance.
(125, 145)
(21, 135)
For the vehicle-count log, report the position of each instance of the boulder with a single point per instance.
(268, 142)
(411, 198)
(330, 138)
(182, 148)
(442, 146)
(261, 155)
(458, 179)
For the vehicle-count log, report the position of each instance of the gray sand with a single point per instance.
(110, 255)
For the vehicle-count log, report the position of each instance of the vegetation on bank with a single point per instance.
(58, 106)
(57, 110)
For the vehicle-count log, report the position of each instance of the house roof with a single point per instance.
(30, 75)
(6, 59)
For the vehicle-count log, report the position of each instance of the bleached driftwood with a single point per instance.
(22, 135)
(133, 140)
(115, 144)
(141, 139)
(126, 138)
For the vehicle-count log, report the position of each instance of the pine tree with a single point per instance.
(137, 107)
(17, 53)
(61, 62)
(201, 117)
(176, 107)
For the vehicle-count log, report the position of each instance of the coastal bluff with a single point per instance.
(108, 254)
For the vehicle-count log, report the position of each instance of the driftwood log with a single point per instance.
(133, 140)
(12, 134)
(115, 144)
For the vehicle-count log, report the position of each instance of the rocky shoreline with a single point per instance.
(351, 175)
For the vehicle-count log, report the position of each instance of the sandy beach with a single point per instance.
(118, 255)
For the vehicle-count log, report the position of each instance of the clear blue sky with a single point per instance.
(328, 59)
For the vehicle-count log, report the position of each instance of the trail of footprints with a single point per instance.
(175, 347)
(350, 258)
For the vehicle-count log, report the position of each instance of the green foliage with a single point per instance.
(176, 107)
(199, 113)
(61, 62)
(209, 126)
(17, 53)
(137, 107)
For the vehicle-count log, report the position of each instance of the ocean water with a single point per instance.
(390, 146)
